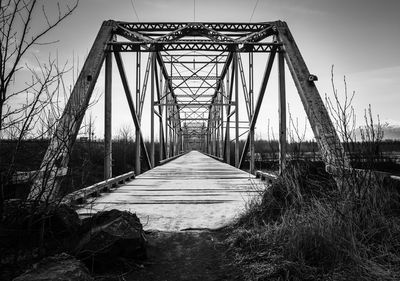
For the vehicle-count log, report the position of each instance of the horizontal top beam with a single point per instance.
(217, 26)
(192, 104)
(194, 77)
(191, 45)
(242, 37)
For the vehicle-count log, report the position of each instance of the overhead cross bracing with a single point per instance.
(194, 37)
(199, 78)
(195, 58)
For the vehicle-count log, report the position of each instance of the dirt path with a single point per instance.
(185, 255)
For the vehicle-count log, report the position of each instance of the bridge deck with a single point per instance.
(192, 191)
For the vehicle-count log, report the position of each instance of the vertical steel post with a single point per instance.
(107, 118)
(215, 116)
(208, 138)
(152, 85)
(203, 139)
(217, 129)
(166, 125)
(228, 125)
(176, 142)
(222, 124)
(181, 137)
(174, 137)
(251, 97)
(137, 132)
(171, 136)
(161, 133)
(237, 156)
(172, 122)
(282, 112)
(213, 131)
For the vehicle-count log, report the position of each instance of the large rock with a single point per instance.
(64, 221)
(62, 267)
(27, 225)
(111, 235)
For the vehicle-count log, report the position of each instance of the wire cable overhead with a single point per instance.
(134, 9)
(194, 10)
(252, 14)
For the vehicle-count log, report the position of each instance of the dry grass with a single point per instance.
(304, 229)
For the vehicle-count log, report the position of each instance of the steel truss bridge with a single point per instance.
(196, 76)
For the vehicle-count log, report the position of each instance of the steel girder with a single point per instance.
(191, 45)
(162, 27)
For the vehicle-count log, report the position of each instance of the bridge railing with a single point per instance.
(164, 161)
(264, 176)
(215, 157)
(270, 177)
(80, 196)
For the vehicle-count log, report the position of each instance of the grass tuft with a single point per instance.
(303, 228)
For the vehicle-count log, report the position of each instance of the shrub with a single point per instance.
(305, 229)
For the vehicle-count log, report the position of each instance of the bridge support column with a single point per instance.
(213, 132)
(251, 98)
(228, 118)
(107, 118)
(221, 138)
(176, 142)
(166, 132)
(137, 132)
(332, 151)
(236, 69)
(171, 138)
(282, 112)
(152, 78)
(182, 141)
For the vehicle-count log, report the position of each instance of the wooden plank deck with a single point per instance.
(192, 191)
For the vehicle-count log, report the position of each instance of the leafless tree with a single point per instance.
(364, 150)
(18, 35)
(342, 112)
(125, 136)
(25, 104)
(296, 135)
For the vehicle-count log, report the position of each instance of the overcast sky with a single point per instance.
(360, 37)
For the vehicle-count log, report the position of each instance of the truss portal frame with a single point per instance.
(197, 77)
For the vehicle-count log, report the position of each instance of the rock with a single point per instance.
(28, 225)
(64, 221)
(109, 236)
(61, 267)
